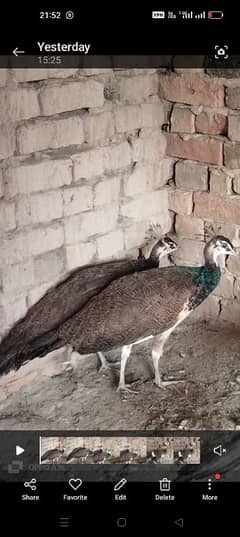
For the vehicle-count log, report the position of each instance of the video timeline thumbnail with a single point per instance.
(119, 450)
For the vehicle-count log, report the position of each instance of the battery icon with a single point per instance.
(215, 14)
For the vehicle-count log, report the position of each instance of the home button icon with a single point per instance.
(121, 522)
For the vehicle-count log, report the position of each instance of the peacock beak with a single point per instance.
(234, 251)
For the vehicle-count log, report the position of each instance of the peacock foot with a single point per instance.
(162, 384)
(107, 367)
(126, 388)
(67, 366)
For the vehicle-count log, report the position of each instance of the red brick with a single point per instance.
(234, 127)
(197, 148)
(225, 286)
(180, 202)
(233, 98)
(182, 120)
(191, 90)
(232, 155)
(236, 184)
(233, 266)
(210, 123)
(220, 183)
(217, 208)
(230, 311)
(188, 227)
(191, 175)
(228, 230)
(190, 252)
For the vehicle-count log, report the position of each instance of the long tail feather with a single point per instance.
(20, 354)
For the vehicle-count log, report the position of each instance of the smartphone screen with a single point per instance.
(119, 268)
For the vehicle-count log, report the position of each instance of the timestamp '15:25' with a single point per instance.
(49, 60)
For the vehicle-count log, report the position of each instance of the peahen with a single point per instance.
(79, 453)
(132, 308)
(70, 295)
(52, 454)
(164, 247)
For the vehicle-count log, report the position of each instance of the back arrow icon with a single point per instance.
(179, 522)
(16, 52)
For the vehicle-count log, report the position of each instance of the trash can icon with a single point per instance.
(165, 484)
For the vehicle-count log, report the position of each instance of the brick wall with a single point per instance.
(82, 174)
(204, 123)
(84, 169)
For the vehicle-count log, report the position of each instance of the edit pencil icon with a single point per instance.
(120, 484)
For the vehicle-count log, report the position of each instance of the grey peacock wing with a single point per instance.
(67, 297)
(132, 307)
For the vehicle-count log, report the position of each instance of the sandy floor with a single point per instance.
(206, 358)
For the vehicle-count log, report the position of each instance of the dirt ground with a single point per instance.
(206, 358)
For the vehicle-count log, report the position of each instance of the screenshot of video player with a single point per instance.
(119, 268)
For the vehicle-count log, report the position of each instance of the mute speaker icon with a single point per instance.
(219, 450)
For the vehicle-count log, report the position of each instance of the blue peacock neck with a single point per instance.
(206, 279)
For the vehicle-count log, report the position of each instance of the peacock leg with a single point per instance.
(73, 359)
(67, 364)
(159, 342)
(157, 351)
(126, 351)
(105, 366)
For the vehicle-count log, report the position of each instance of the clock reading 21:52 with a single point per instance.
(50, 15)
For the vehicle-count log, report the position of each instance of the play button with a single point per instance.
(19, 450)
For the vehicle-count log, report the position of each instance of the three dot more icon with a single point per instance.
(216, 476)
(165, 484)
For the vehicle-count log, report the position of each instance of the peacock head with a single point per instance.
(218, 245)
(163, 247)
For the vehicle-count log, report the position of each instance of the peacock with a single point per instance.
(163, 248)
(99, 456)
(158, 455)
(78, 453)
(52, 455)
(142, 305)
(70, 295)
(127, 455)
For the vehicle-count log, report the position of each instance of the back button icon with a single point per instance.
(179, 522)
